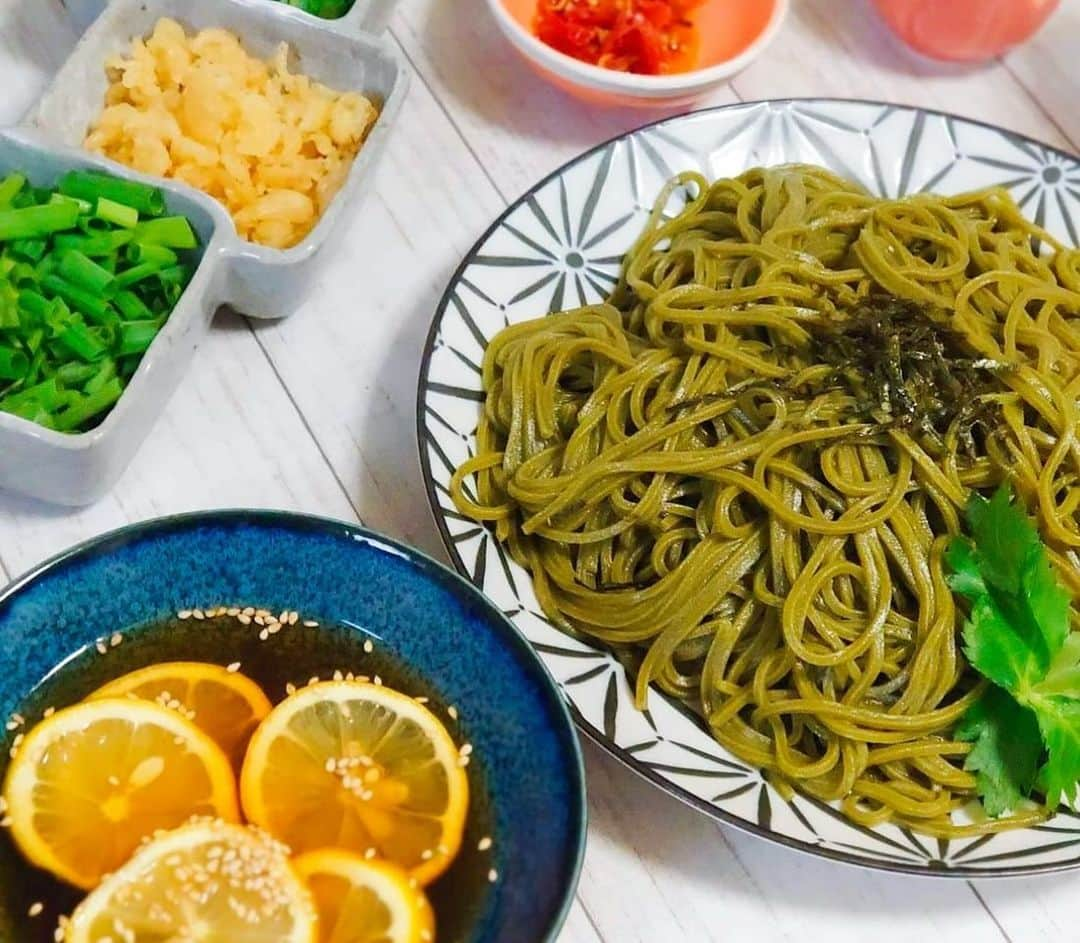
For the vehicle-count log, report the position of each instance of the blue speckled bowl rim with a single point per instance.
(309, 523)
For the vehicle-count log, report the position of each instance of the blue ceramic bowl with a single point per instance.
(527, 778)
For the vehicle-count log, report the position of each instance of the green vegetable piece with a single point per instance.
(74, 373)
(100, 244)
(137, 336)
(13, 364)
(10, 187)
(83, 205)
(132, 307)
(91, 186)
(1059, 723)
(175, 232)
(31, 249)
(111, 212)
(139, 253)
(1005, 757)
(136, 274)
(83, 272)
(105, 373)
(78, 339)
(32, 222)
(90, 304)
(86, 408)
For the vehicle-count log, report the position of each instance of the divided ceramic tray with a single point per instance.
(346, 54)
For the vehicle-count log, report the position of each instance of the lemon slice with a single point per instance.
(91, 782)
(208, 881)
(224, 704)
(365, 901)
(360, 767)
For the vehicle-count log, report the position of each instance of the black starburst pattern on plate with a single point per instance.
(565, 245)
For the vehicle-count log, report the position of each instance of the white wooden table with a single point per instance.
(317, 414)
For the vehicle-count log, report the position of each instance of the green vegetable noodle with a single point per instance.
(89, 274)
(749, 471)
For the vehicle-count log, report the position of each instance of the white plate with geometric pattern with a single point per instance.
(560, 246)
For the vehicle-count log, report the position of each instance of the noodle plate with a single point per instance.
(694, 479)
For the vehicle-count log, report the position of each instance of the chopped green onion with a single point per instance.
(85, 273)
(10, 187)
(132, 306)
(93, 306)
(137, 253)
(172, 231)
(104, 374)
(33, 222)
(137, 273)
(13, 364)
(87, 185)
(112, 212)
(82, 343)
(97, 245)
(32, 249)
(83, 206)
(89, 406)
(136, 336)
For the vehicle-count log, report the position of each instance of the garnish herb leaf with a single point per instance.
(1005, 757)
(1059, 723)
(1018, 637)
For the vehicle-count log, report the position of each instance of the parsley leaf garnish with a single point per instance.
(1017, 636)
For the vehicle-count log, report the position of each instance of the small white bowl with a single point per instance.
(608, 87)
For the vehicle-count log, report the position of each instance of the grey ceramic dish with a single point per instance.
(259, 282)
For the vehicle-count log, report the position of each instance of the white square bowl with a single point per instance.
(258, 281)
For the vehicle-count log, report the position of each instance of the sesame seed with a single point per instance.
(314, 679)
(369, 646)
(243, 619)
(198, 613)
(338, 676)
(264, 635)
(284, 617)
(116, 639)
(233, 668)
(421, 699)
(232, 611)
(12, 725)
(290, 689)
(452, 711)
(370, 853)
(427, 854)
(100, 646)
(48, 712)
(311, 623)
(463, 761)
(466, 749)
(378, 681)
(184, 614)
(493, 875)
(36, 909)
(484, 844)
(260, 620)
(18, 719)
(425, 935)
(294, 617)
(248, 611)
(5, 822)
(331, 765)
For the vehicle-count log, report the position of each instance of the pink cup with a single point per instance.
(965, 30)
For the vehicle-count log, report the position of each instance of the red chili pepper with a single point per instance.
(644, 36)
